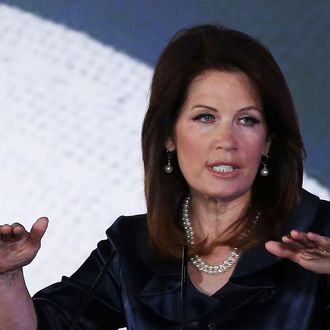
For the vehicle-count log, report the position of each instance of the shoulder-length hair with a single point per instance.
(189, 53)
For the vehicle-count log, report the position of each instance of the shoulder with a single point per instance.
(317, 209)
(128, 231)
(325, 207)
(322, 218)
(128, 225)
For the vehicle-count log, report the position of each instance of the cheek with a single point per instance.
(190, 150)
(253, 152)
(189, 143)
(187, 139)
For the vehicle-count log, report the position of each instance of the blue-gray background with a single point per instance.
(297, 33)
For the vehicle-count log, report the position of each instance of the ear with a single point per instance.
(268, 142)
(169, 144)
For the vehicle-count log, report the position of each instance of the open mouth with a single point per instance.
(223, 168)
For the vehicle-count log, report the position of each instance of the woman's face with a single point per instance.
(220, 135)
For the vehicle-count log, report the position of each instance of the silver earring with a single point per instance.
(168, 167)
(264, 171)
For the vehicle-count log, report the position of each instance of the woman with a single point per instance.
(223, 157)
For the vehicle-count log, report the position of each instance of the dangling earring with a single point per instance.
(168, 167)
(264, 171)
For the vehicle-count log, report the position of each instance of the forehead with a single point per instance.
(227, 86)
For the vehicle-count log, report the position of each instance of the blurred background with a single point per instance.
(74, 83)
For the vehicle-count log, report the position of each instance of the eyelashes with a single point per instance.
(249, 120)
(210, 118)
(204, 117)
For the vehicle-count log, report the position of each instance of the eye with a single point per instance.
(248, 121)
(204, 118)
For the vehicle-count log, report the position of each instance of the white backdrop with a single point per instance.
(71, 110)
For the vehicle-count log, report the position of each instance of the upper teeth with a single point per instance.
(223, 168)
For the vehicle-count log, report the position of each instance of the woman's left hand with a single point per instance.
(309, 250)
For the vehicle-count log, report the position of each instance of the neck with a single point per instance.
(211, 217)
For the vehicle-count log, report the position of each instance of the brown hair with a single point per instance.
(189, 53)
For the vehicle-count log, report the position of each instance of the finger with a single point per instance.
(38, 230)
(18, 231)
(6, 233)
(303, 244)
(322, 242)
(302, 238)
(300, 248)
(281, 250)
(287, 239)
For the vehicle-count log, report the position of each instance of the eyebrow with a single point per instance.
(250, 107)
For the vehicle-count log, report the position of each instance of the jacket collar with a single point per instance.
(304, 214)
(302, 219)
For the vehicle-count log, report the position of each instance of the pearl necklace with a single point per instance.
(201, 265)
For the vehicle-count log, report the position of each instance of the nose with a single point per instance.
(225, 138)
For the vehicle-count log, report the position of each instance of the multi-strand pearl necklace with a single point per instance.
(201, 265)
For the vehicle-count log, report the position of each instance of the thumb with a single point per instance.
(38, 230)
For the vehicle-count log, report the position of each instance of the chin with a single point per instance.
(227, 195)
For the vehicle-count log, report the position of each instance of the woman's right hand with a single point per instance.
(18, 247)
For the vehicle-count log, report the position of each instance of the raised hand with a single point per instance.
(18, 247)
(309, 250)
